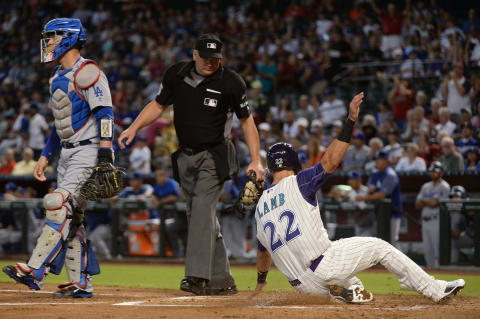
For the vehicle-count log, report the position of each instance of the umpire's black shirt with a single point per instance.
(203, 110)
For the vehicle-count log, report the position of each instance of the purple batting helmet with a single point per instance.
(282, 156)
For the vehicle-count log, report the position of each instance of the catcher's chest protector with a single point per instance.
(70, 110)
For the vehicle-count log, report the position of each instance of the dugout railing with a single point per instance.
(121, 207)
(464, 207)
(381, 208)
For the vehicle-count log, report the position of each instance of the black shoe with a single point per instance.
(227, 291)
(194, 285)
(72, 292)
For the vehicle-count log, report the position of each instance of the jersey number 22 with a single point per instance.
(289, 235)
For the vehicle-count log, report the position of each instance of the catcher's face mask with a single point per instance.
(49, 45)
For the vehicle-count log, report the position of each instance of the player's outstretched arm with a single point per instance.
(335, 152)
(264, 261)
(150, 113)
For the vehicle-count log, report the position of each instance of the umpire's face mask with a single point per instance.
(48, 45)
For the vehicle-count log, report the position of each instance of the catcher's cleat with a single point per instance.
(68, 290)
(194, 285)
(212, 291)
(452, 288)
(356, 294)
(20, 277)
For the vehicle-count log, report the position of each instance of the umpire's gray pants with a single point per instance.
(206, 255)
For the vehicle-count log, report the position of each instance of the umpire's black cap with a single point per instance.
(209, 46)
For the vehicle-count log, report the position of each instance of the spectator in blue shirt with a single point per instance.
(166, 191)
(136, 190)
(467, 141)
(385, 184)
(472, 163)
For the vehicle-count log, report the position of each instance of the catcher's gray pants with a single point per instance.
(206, 256)
(71, 173)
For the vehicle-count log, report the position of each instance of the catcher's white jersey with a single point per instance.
(289, 225)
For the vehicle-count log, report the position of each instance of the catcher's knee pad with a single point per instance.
(80, 262)
(58, 210)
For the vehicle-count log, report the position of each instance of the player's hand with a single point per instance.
(39, 170)
(355, 107)
(126, 137)
(258, 290)
(258, 168)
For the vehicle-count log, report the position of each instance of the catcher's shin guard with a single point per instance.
(50, 243)
(80, 262)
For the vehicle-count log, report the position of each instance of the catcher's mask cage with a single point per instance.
(59, 36)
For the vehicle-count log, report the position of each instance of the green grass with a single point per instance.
(169, 276)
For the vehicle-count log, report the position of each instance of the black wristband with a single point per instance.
(262, 277)
(105, 155)
(346, 132)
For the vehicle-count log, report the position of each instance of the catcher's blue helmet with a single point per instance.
(436, 166)
(282, 156)
(59, 36)
(458, 191)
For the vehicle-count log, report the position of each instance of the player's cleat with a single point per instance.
(355, 294)
(452, 288)
(212, 291)
(194, 285)
(22, 278)
(68, 290)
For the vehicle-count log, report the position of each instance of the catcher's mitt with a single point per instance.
(105, 181)
(248, 197)
(252, 191)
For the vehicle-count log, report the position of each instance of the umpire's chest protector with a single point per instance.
(70, 110)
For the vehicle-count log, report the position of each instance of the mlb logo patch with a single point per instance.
(211, 45)
(210, 102)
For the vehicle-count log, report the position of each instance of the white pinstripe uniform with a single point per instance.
(289, 226)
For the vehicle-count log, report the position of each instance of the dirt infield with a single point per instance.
(108, 302)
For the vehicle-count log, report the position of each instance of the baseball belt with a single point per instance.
(313, 267)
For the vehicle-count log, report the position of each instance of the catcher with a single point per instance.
(82, 107)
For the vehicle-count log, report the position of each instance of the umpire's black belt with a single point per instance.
(313, 267)
(192, 151)
(76, 144)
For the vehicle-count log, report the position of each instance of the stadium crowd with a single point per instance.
(417, 62)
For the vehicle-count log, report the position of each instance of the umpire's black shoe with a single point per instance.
(194, 285)
(212, 291)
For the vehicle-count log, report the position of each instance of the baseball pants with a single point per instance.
(431, 241)
(206, 255)
(345, 258)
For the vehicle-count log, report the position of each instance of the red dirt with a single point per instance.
(17, 301)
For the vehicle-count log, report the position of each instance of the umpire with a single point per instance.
(204, 96)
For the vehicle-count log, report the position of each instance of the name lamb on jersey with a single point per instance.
(274, 203)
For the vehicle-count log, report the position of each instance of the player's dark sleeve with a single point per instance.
(238, 96)
(260, 246)
(388, 185)
(53, 144)
(310, 181)
(165, 93)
